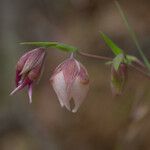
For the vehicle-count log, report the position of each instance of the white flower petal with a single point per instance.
(30, 93)
(60, 88)
(79, 93)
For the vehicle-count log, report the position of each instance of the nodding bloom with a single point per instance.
(70, 80)
(28, 69)
(118, 78)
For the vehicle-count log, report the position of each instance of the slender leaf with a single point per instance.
(41, 44)
(115, 49)
(65, 47)
(60, 46)
(132, 34)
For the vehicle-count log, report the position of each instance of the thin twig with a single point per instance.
(95, 56)
(109, 59)
(140, 71)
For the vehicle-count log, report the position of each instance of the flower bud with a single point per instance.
(118, 78)
(28, 69)
(70, 80)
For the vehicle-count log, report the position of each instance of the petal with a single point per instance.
(83, 75)
(41, 73)
(58, 69)
(34, 73)
(25, 82)
(16, 89)
(30, 93)
(35, 59)
(37, 71)
(22, 60)
(70, 72)
(18, 77)
(60, 88)
(79, 93)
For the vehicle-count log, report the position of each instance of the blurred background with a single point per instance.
(103, 122)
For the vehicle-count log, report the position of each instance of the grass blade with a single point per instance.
(132, 34)
(115, 49)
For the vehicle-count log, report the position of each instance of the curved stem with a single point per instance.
(140, 71)
(95, 56)
(109, 59)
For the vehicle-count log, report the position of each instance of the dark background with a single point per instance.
(103, 122)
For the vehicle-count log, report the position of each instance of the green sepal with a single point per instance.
(130, 59)
(117, 61)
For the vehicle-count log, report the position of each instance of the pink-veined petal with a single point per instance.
(25, 82)
(35, 58)
(59, 85)
(22, 60)
(58, 69)
(18, 77)
(80, 87)
(16, 89)
(79, 93)
(70, 72)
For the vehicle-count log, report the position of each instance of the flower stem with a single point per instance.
(95, 56)
(109, 59)
(140, 71)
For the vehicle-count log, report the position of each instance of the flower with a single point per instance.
(28, 69)
(118, 78)
(70, 80)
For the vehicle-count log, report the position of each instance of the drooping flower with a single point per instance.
(118, 78)
(70, 80)
(28, 69)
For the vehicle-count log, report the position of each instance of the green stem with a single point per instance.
(132, 33)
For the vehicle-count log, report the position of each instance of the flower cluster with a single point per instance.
(69, 80)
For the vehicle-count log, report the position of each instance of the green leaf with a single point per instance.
(60, 46)
(42, 44)
(115, 49)
(65, 47)
(117, 61)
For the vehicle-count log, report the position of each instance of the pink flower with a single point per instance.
(28, 70)
(70, 80)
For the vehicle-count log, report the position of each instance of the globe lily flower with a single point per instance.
(70, 80)
(118, 78)
(28, 69)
